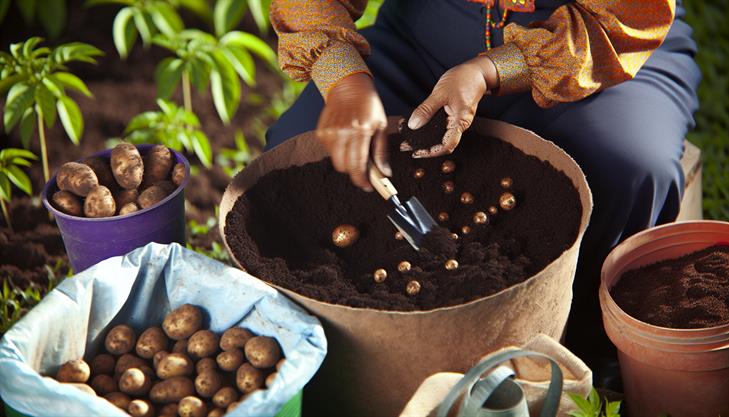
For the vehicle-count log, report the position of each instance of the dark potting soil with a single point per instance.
(684, 293)
(426, 136)
(280, 230)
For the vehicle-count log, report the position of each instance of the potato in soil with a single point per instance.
(225, 396)
(263, 352)
(103, 364)
(99, 203)
(191, 407)
(67, 202)
(172, 390)
(248, 378)
(230, 360)
(151, 341)
(234, 338)
(140, 408)
(104, 384)
(102, 170)
(202, 344)
(119, 399)
(75, 370)
(182, 322)
(120, 340)
(127, 165)
(76, 178)
(174, 364)
(157, 164)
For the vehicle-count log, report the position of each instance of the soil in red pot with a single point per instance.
(689, 292)
(281, 229)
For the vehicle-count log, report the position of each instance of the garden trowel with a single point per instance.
(410, 218)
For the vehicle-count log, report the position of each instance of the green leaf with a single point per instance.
(125, 34)
(243, 64)
(166, 19)
(19, 178)
(46, 102)
(71, 81)
(142, 121)
(27, 126)
(259, 11)
(15, 153)
(4, 5)
(200, 7)
(27, 10)
(145, 31)
(584, 405)
(52, 16)
(169, 108)
(594, 399)
(55, 88)
(227, 14)
(612, 409)
(167, 76)
(30, 44)
(6, 83)
(71, 118)
(199, 74)
(100, 2)
(5, 191)
(75, 51)
(20, 97)
(251, 42)
(201, 145)
(225, 87)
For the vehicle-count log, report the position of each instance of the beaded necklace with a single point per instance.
(507, 6)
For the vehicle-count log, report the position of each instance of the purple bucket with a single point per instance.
(91, 240)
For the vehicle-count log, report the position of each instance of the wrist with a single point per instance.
(511, 68)
(489, 71)
(355, 83)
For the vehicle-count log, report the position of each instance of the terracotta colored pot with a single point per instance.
(377, 359)
(679, 372)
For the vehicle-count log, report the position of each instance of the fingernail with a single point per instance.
(415, 122)
(368, 189)
(405, 146)
(387, 169)
(420, 154)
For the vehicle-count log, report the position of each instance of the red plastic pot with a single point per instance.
(676, 372)
(91, 240)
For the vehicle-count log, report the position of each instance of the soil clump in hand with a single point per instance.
(429, 135)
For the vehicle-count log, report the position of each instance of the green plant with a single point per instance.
(173, 127)
(50, 13)
(232, 160)
(202, 58)
(593, 406)
(36, 80)
(228, 13)
(11, 160)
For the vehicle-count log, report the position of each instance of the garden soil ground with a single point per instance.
(121, 90)
(281, 229)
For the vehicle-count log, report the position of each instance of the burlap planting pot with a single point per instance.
(377, 359)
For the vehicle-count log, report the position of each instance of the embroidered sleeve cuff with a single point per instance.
(512, 69)
(337, 61)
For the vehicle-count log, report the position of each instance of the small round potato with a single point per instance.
(248, 378)
(103, 384)
(157, 164)
(216, 412)
(128, 208)
(140, 408)
(157, 358)
(68, 203)
(231, 360)
(151, 341)
(235, 338)
(174, 364)
(75, 370)
(180, 346)
(120, 340)
(154, 194)
(172, 390)
(136, 381)
(127, 361)
(205, 364)
(99, 203)
(232, 406)
(76, 178)
(208, 383)
(83, 387)
(103, 364)
(182, 322)
(191, 407)
(270, 378)
(202, 343)
(102, 170)
(262, 352)
(127, 165)
(168, 409)
(178, 174)
(124, 196)
(119, 399)
(225, 396)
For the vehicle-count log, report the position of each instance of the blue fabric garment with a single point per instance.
(628, 139)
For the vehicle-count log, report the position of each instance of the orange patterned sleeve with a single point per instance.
(317, 39)
(581, 48)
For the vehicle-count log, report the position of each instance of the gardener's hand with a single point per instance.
(353, 120)
(458, 91)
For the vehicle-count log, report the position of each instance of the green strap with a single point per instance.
(472, 404)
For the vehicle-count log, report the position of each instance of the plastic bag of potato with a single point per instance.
(139, 290)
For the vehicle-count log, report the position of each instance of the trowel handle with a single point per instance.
(380, 182)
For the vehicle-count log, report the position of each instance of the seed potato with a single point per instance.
(216, 412)
(127, 165)
(157, 164)
(232, 407)
(119, 399)
(168, 409)
(151, 341)
(103, 364)
(99, 203)
(154, 194)
(182, 322)
(128, 208)
(202, 343)
(178, 174)
(225, 396)
(104, 384)
(127, 361)
(262, 352)
(120, 340)
(230, 360)
(235, 338)
(124, 196)
(279, 364)
(180, 346)
(157, 358)
(205, 364)
(140, 408)
(75, 370)
(248, 378)
(76, 178)
(83, 387)
(102, 170)
(174, 364)
(270, 378)
(191, 406)
(208, 383)
(136, 381)
(172, 390)
(68, 203)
